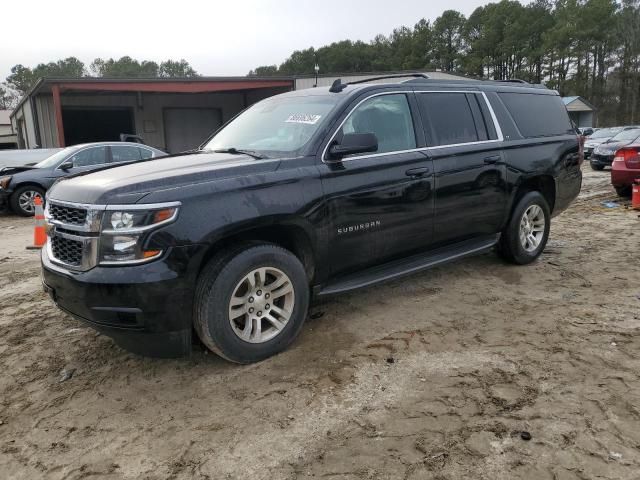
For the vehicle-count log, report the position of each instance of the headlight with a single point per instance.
(4, 182)
(124, 233)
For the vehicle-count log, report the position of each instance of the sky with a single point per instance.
(216, 37)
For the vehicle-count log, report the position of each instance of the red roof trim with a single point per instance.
(176, 87)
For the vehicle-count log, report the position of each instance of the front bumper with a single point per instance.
(146, 309)
(602, 160)
(588, 151)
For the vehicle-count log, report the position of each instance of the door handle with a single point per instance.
(417, 172)
(490, 160)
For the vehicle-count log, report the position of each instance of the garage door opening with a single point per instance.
(186, 128)
(83, 125)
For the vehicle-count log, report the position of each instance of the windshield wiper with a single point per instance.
(235, 151)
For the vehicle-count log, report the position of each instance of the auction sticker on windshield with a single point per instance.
(308, 119)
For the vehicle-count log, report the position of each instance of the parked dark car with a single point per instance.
(303, 195)
(604, 153)
(598, 137)
(19, 186)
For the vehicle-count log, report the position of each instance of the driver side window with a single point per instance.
(388, 117)
(90, 157)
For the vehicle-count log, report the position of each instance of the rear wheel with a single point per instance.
(596, 166)
(23, 200)
(527, 232)
(623, 191)
(251, 302)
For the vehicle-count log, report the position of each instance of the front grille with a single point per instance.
(68, 215)
(66, 250)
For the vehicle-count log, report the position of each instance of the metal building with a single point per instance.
(171, 114)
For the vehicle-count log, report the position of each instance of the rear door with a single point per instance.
(466, 147)
(379, 205)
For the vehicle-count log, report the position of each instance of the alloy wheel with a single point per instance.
(26, 201)
(261, 305)
(532, 227)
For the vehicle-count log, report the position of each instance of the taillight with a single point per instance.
(630, 156)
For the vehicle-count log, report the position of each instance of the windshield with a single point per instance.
(54, 159)
(627, 135)
(605, 133)
(277, 125)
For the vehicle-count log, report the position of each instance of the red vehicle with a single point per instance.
(625, 169)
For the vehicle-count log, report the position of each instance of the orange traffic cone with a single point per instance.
(39, 233)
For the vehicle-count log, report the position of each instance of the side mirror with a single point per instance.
(353, 143)
(66, 165)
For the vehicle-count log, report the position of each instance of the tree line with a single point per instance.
(589, 48)
(23, 78)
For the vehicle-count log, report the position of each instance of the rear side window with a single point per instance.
(124, 153)
(449, 118)
(146, 153)
(537, 115)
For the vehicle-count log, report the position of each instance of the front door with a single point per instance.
(466, 148)
(380, 205)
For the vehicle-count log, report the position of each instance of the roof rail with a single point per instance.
(512, 80)
(384, 77)
(338, 86)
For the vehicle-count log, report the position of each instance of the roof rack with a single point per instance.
(512, 80)
(384, 77)
(338, 86)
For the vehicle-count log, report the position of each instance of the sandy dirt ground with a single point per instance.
(434, 376)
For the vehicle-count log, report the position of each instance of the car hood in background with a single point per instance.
(609, 148)
(130, 183)
(595, 142)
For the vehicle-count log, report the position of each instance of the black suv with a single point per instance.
(307, 194)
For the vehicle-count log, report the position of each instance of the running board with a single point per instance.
(406, 266)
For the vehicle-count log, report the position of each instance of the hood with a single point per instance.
(130, 183)
(609, 148)
(595, 142)
(14, 170)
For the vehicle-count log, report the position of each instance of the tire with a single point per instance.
(226, 277)
(511, 246)
(18, 199)
(597, 167)
(623, 191)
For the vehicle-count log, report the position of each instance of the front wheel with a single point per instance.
(23, 200)
(251, 302)
(527, 232)
(596, 166)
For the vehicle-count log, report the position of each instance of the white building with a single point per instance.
(8, 139)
